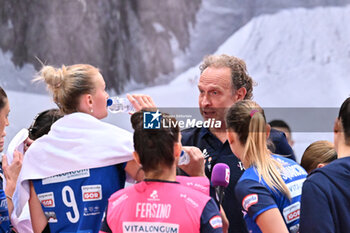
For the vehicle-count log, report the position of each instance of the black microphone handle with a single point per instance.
(220, 191)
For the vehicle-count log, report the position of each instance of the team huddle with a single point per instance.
(68, 172)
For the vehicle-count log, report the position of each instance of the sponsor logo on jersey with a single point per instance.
(91, 210)
(205, 153)
(150, 227)
(215, 222)
(292, 212)
(153, 196)
(249, 200)
(295, 187)
(47, 199)
(294, 229)
(290, 172)
(50, 216)
(67, 176)
(152, 210)
(281, 161)
(4, 219)
(240, 165)
(91, 192)
(120, 200)
(189, 200)
(198, 186)
(3, 204)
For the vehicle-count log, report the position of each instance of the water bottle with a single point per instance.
(184, 158)
(117, 104)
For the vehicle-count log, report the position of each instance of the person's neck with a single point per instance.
(166, 174)
(220, 133)
(343, 151)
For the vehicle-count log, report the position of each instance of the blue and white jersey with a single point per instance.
(256, 197)
(5, 225)
(75, 201)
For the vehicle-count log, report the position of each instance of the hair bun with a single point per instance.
(53, 77)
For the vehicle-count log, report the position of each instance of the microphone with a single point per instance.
(220, 179)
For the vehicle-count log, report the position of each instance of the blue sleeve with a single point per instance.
(315, 215)
(281, 145)
(211, 219)
(254, 197)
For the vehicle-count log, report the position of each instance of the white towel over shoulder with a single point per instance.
(76, 141)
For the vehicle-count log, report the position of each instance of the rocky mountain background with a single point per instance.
(135, 43)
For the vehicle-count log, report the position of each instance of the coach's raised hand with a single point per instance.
(141, 101)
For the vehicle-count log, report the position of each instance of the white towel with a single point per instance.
(17, 143)
(76, 141)
(21, 223)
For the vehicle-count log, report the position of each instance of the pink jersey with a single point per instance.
(156, 207)
(200, 183)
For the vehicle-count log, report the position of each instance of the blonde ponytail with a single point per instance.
(256, 153)
(247, 119)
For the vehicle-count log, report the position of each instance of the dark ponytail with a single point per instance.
(344, 117)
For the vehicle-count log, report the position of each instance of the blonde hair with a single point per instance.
(316, 153)
(68, 83)
(247, 119)
(239, 74)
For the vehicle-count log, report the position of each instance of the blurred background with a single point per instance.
(298, 52)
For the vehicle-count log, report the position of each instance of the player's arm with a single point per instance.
(134, 170)
(261, 207)
(37, 215)
(273, 216)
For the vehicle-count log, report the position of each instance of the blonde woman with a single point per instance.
(270, 187)
(74, 169)
(317, 155)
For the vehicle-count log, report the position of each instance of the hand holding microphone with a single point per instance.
(220, 179)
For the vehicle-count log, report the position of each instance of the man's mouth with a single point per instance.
(208, 113)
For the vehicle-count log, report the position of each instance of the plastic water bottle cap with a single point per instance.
(109, 102)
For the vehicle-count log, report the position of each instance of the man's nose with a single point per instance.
(205, 100)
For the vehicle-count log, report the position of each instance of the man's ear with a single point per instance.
(136, 157)
(240, 94)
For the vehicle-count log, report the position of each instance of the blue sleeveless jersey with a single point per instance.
(75, 201)
(256, 197)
